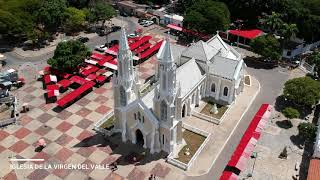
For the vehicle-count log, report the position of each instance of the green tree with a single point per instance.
(215, 17)
(290, 113)
(302, 91)
(288, 31)
(307, 130)
(102, 11)
(50, 14)
(273, 21)
(68, 55)
(267, 46)
(73, 19)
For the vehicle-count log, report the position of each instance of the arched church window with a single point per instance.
(225, 91)
(163, 111)
(213, 87)
(139, 116)
(135, 116)
(123, 99)
(142, 119)
(162, 138)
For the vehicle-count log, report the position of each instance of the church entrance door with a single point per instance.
(139, 137)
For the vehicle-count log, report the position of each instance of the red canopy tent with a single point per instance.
(249, 139)
(107, 59)
(112, 50)
(143, 40)
(89, 69)
(143, 47)
(248, 34)
(75, 94)
(226, 175)
(78, 79)
(64, 83)
(97, 56)
(152, 50)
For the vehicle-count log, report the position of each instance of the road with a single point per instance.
(14, 59)
(271, 82)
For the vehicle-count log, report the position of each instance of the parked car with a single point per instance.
(83, 39)
(142, 21)
(148, 23)
(101, 48)
(132, 35)
(115, 28)
(5, 49)
(124, 14)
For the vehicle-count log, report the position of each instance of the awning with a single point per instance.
(104, 60)
(175, 27)
(248, 34)
(101, 79)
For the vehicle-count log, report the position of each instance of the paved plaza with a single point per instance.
(69, 136)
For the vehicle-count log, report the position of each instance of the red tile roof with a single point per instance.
(314, 170)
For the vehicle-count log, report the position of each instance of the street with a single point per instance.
(14, 59)
(271, 82)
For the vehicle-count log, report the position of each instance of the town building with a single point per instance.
(184, 75)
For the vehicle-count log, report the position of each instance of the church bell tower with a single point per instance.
(124, 83)
(165, 96)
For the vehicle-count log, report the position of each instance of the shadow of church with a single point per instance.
(129, 153)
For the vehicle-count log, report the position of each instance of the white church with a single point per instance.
(184, 75)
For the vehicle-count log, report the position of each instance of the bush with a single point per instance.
(290, 113)
(307, 130)
(302, 91)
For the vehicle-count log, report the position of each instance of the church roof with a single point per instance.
(200, 51)
(225, 67)
(189, 75)
(225, 50)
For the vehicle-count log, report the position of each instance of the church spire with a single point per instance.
(123, 43)
(165, 53)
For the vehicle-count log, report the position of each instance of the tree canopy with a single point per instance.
(302, 91)
(207, 16)
(38, 19)
(68, 55)
(290, 113)
(73, 19)
(307, 130)
(267, 46)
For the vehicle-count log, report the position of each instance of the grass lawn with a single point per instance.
(109, 123)
(193, 141)
(208, 107)
(247, 80)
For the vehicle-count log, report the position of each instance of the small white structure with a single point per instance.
(172, 19)
(184, 75)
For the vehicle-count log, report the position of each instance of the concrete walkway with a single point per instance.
(222, 132)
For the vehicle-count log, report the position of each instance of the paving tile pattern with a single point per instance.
(69, 136)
